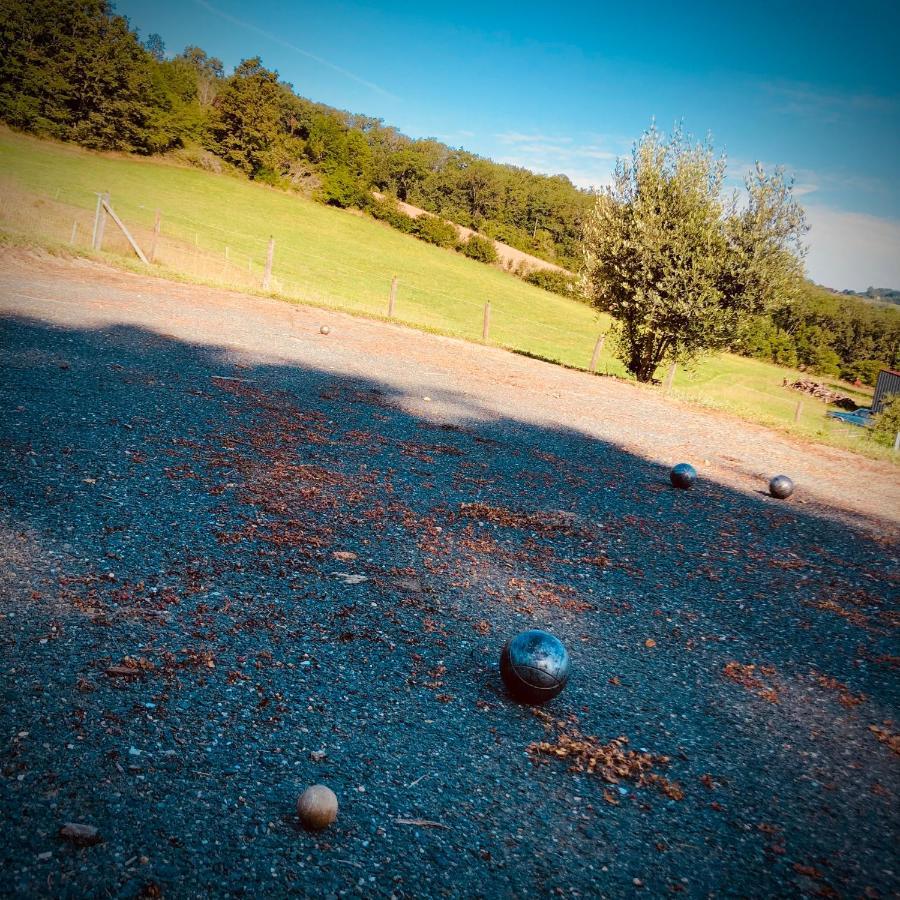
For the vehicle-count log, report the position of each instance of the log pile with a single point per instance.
(821, 392)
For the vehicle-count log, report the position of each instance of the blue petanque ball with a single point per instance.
(534, 666)
(781, 487)
(683, 476)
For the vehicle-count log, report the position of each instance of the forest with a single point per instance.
(76, 71)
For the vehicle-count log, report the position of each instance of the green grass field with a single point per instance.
(216, 227)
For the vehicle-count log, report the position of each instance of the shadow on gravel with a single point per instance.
(223, 583)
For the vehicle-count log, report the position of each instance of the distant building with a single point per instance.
(887, 385)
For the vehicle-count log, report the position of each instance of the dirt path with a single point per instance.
(508, 256)
(464, 382)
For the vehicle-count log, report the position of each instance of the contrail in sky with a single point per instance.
(275, 39)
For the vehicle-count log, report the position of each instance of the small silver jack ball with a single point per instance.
(781, 487)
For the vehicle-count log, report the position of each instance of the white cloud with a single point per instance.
(853, 250)
(583, 177)
(808, 180)
(587, 165)
(590, 181)
(597, 153)
(517, 137)
(807, 101)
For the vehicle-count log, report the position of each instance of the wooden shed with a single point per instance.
(886, 386)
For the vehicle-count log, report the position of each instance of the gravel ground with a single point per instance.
(238, 557)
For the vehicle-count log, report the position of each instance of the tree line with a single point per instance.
(74, 70)
(827, 334)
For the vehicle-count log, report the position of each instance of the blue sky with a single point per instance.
(567, 87)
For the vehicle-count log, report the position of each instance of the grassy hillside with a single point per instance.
(216, 227)
(323, 253)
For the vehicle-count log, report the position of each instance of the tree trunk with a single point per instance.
(644, 359)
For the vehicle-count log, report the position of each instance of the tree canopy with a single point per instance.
(683, 268)
(75, 70)
(680, 266)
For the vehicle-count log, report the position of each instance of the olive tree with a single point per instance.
(681, 266)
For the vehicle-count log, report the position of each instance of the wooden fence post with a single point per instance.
(798, 411)
(270, 255)
(486, 323)
(99, 222)
(74, 232)
(392, 297)
(124, 230)
(897, 442)
(97, 213)
(156, 224)
(670, 377)
(595, 356)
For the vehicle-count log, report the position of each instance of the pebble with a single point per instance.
(79, 833)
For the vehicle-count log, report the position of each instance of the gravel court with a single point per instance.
(492, 381)
(233, 470)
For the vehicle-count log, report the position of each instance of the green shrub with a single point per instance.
(784, 352)
(269, 176)
(386, 210)
(866, 370)
(762, 339)
(436, 231)
(887, 422)
(552, 280)
(340, 188)
(480, 248)
(824, 361)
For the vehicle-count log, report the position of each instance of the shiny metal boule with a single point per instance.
(781, 487)
(534, 666)
(683, 476)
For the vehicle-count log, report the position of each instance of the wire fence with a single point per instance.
(231, 256)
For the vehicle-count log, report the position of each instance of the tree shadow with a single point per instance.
(224, 582)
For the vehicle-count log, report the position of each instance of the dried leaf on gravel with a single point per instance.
(130, 667)
(886, 736)
(846, 697)
(612, 761)
(546, 523)
(745, 675)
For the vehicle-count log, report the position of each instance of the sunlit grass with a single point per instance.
(216, 228)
